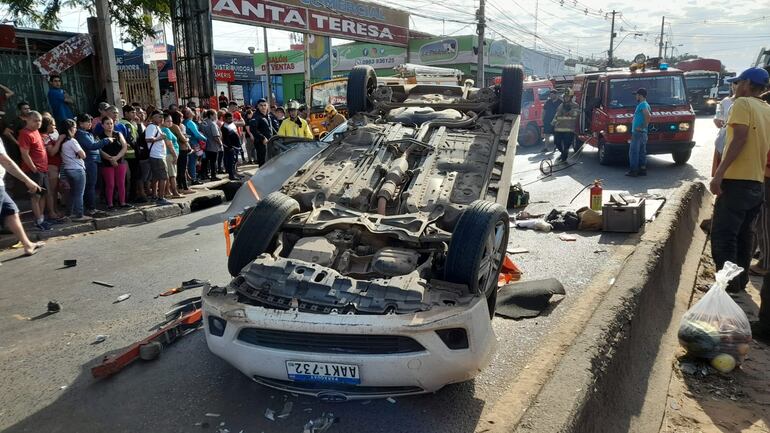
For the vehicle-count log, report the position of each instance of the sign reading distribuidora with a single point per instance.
(348, 19)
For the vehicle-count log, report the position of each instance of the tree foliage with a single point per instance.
(127, 14)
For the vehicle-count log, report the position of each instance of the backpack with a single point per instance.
(141, 147)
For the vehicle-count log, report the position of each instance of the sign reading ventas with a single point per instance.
(348, 19)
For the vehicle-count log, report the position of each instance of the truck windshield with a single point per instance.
(329, 92)
(664, 90)
(701, 82)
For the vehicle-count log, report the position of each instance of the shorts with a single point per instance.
(7, 205)
(146, 171)
(41, 179)
(158, 169)
(170, 166)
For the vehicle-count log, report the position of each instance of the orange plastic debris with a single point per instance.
(509, 272)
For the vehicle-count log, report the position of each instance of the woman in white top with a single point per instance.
(73, 168)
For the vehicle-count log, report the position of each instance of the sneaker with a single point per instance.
(632, 173)
(214, 179)
(126, 206)
(43, 226)
(140, 200)
(162, 202)
(757, 270)
(100, 214)
(760, 331)
(196, 182)
(56, 221)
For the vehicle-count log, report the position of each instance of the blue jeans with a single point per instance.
(92, 175)
(77, 181)
(637, 152)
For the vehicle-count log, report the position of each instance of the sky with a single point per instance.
(566, 27)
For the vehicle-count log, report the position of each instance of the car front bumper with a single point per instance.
(381, 375)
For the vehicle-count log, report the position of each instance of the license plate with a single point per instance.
(323, 372)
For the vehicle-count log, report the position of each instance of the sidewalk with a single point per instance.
(206, 195)
(700, 400)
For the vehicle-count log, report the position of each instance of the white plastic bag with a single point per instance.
(716, 325)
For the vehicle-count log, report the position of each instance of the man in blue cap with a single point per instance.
(738, 181)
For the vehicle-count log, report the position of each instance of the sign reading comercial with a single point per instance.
(348, 19)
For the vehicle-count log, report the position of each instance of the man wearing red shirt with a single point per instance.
(35, 163)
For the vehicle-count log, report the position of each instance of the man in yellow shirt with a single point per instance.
(738, 181)
(294, 126)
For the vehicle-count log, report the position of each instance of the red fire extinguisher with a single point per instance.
(596, 196)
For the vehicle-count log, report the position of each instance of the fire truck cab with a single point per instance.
(608, 102)
(532, 99)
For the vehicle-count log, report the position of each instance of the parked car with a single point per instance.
(367, 266)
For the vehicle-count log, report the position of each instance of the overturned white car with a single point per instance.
(367, 265)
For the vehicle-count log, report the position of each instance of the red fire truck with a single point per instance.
(608, 102)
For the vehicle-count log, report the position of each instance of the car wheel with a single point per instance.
(477, 249)
(681, 158)
(531, 136)
(511, 88)
(362, 82)
(257, 232)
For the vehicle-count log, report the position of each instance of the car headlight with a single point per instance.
(684, 126)
(621, 129)
(316, 130)
(711, 102)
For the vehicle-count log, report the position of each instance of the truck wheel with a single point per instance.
(605, 158)
(362, 82)
(477, 249)
(511, 88)
(531, 136)
(258, 231)
(681, 158)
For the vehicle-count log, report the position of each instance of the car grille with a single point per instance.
(349, 391)
(329, 343)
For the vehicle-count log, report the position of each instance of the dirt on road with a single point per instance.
(701, 400)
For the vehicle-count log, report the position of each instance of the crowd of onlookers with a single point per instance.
(130, 154)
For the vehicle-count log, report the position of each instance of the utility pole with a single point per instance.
(154, 82)
(107, 52)
(665, 51)
(536, 10)
(660, 43)
(480, 31)
(612, 40)
(307, 70)
(269, 98)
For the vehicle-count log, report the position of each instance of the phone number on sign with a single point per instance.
(382, 61)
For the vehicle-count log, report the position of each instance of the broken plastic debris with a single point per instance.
(63, 387)
(270, 414)
(517, 250)
(122, 298)
(320, 425)
(99, 339)
(222, 424)
(197, 249)
(212, 415)
(391, 400)
(102, 283)
(53, 307)
(567, 238)
(19, 317)
(286, 411)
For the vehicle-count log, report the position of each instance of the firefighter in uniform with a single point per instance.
(564, 124)
(333, 118)
(294, 126)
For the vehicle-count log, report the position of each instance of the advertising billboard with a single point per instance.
(378, 56)
(347, 19)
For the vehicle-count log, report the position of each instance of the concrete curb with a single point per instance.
(202, 199)
(599, 385)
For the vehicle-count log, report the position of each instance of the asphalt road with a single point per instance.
(45, 363)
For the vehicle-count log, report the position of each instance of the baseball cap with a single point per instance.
(103, 106)
(261, 100)
(641, 91)
(755, 75)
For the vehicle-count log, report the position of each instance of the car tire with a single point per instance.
(681, 158)
(531, 136)
(477, 249)
(604, 153)
(511, 88)
(362, 82)
(257, 232)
